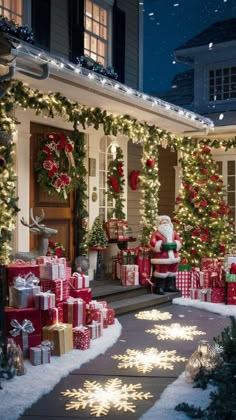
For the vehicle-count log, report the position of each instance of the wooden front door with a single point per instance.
(58, 212)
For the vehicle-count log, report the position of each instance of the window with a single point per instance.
(105, 156)
(12, 9)
(96, 32)
(222, 84)
(227, 168)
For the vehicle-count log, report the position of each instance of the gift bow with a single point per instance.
(26, 327)
(47, 343)
(30, 280)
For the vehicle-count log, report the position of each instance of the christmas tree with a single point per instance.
(202, 218)
(97, 235)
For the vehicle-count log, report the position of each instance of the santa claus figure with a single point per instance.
(165, 244)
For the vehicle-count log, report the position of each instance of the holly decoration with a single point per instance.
(203, 218)
(55, 248)
(134, 179)
(115, 184)
(57, 165)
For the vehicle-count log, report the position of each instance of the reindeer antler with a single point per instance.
(36, 227)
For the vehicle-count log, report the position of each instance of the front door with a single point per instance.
(58, 212)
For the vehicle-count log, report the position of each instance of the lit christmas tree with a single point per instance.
(202, 218)
(97, 236)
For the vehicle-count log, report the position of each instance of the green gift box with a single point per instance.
(230, 277)
(184, 267)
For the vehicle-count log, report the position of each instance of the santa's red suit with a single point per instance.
(165, 243)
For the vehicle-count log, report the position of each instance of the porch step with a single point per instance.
(125, 299)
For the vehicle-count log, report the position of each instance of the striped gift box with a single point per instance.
(183, 282)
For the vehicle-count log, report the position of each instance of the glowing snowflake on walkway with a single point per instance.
(101, 398)
(175, 331)
(147, 360)
(154, 315)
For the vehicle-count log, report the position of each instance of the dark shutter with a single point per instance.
(41, 22)
(76, 29)
(118, 50)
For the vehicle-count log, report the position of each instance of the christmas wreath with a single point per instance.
(57, 164)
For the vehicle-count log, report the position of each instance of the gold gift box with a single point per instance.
(61, 336)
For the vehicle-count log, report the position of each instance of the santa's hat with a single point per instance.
(160, 218)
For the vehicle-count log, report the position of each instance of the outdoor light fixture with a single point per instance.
(153, 315)
(147, 360)
(175, 332)
(101, 398)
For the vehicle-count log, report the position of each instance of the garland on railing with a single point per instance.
(18, 31)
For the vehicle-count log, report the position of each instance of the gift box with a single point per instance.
(184, 267)
(61, 336)
(49, 271)
(195, 277)
(84, 293)
(81, 338)
(111, 228)
(94, 315)
(52, 316)
(216, 295)
(230, 277)
(231, 293)
(40, 355)
(108, 316)
(21, 268)
(228, 261)
(211, 264)
(78, 281)
(129, 275)
(45, 300)
(194, 293)
(22, 292)
(95, 329)
(183, 282)
(144, 264)
(24, 326)
(59, 287)
(74, 312)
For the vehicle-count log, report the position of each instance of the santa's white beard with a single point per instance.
(166, 231)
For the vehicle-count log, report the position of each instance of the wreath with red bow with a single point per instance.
(57, 164)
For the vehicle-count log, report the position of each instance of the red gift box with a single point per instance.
(21, 268)
(111, 228)
(183, 282)
(109, 316)
(25, 334)
(52, 316)
(85, 294)
(216, 295)
(231, 293)
(78, 281)
(74, 312)
(81, 338)
(195, 293)
(94, 315)
(59, 287)
(211, 264)
(195, 278)
(96, 329)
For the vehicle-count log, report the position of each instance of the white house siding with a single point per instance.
(59, 28)
(131, 8)
(134, 196)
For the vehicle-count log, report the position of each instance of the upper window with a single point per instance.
(96, 32)
(12, 9)
(222, 84)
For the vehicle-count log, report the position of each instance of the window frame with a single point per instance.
(217, 81)
(9, 10)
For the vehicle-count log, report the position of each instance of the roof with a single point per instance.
(30, 64)
(217, 33)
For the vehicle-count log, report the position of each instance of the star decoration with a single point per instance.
(154, 315)
(175, 331)
(147, 360)
(101, 398)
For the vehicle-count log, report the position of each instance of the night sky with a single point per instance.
(167, 25)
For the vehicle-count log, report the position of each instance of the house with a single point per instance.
(109, 32)
(209, 88)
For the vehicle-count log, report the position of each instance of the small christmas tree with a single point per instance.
(203, 218)
(97, 235)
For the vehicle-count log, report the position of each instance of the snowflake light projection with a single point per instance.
(101, 398)
(175, 331)
(147, 360)
(154, 315)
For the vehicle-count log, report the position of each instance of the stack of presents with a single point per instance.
(214, 281)
(131, 266)
(51, 310)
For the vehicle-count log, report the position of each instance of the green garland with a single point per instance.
(52, 104)
(115, 183)
(57, 165)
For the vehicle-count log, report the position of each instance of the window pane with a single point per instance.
(231, 183)
(96, 28)
(93, 44)
(231, 167)
(88, 8)
(96, 12)
(102, 198)
(219, 167)
(103, 17)
(101, 48)
(102, 179)
(88, 24)
(103, 32)
(231, 199)
(17, 6)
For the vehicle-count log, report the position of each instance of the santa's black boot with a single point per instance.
(159, 289)
(170, 285)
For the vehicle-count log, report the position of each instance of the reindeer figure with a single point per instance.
(44, 233)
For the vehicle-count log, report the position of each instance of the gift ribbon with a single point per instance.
(24, 329)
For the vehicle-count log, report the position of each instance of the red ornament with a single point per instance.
(134, 179)
(193, 252)
(203, 203)
(205, 171)
(222, 249)
(150, 162)
(206, 149)
(214, 215)
(214, 177)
